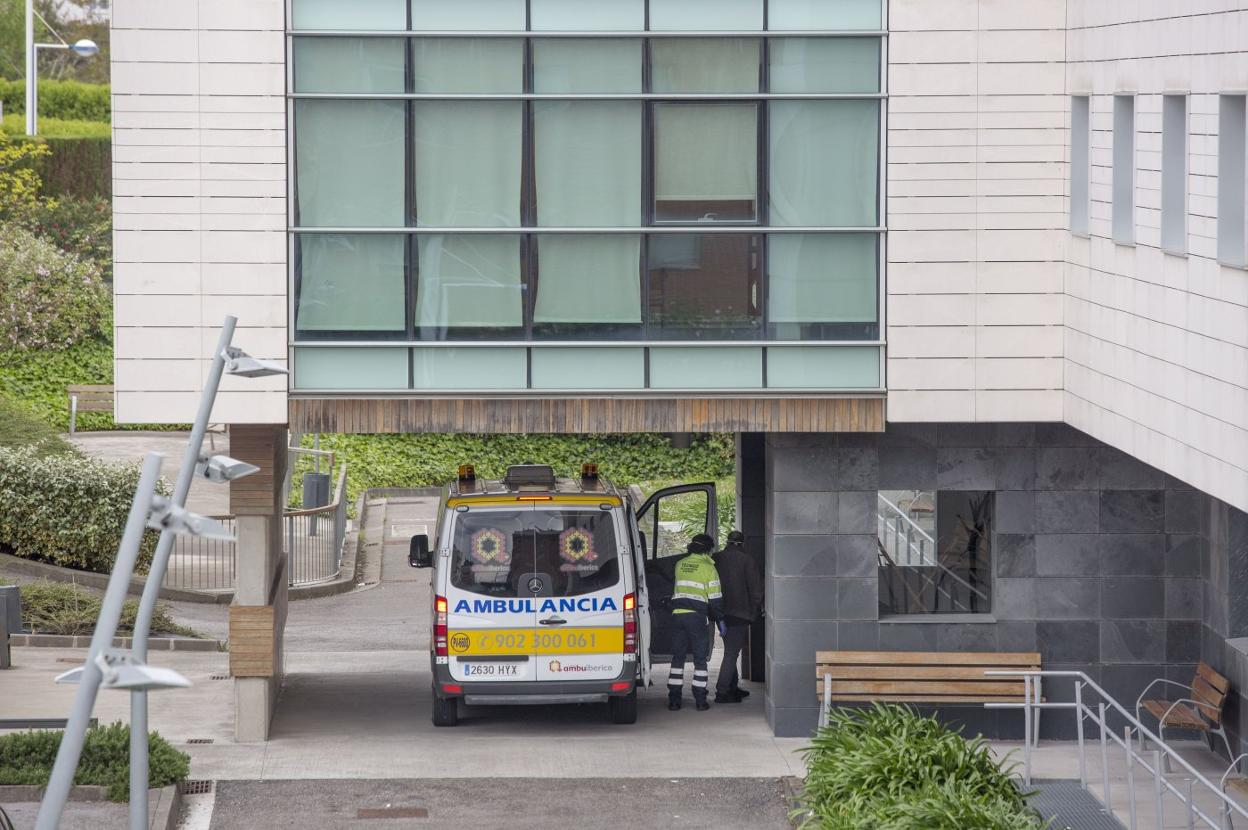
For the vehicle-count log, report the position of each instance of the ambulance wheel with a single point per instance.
(623, 709)
(445, 711)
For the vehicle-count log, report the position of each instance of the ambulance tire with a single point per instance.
(623, 709)
(445, 711)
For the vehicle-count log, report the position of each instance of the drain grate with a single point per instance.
(196, 787)
(218, 677)
(200, 741)
(392, 812)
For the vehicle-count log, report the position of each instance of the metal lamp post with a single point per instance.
(83, 48)
(107, 668)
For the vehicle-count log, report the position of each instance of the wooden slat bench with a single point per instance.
(88, 399)
(932, 678)
(1200, 709)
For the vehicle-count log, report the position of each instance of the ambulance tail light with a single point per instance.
(439, 627)
(630, 624)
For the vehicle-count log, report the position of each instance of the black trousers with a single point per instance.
(734, 637)
(690, 636)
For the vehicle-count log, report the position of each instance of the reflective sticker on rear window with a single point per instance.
(489, 547)
(576, 546)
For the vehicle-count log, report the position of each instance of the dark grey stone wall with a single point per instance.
(1224, 630)
(1097, 559)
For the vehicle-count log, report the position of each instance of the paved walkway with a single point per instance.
(205, 498)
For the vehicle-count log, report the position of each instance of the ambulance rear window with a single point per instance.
(499, 552)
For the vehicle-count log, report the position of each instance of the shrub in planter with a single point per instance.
(50, 299)
(62, 608)
(67, 510)
(27, 758)
(887, 768)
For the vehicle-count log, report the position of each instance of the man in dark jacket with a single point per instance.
(742, 587)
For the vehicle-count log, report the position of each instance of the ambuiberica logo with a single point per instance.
(558, 667)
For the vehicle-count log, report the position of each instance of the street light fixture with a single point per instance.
(221, 469)
(84, 48)
(238, 362)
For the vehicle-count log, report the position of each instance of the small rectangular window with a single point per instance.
(1231, 171)
(1080, 145)
(1124, 169)
(1174, 173)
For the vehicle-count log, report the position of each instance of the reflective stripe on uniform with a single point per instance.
(689, 583)
(714, 595)
(694, 597)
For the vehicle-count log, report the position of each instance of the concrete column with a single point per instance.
(258, 616)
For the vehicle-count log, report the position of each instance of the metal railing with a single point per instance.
(1151, 763)
(312, 539)
(914, 573)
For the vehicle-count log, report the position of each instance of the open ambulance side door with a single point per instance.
(667, 521)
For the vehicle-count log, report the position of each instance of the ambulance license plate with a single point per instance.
(492, 670)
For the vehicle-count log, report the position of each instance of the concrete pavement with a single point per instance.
(205, 498)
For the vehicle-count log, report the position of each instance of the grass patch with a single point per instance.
(887, 768)
(27, 758)
(15, 125)
(65, 608)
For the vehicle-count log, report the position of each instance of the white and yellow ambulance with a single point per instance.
(552, 590)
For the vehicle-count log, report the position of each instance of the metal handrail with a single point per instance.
(902, 514)
(1163, 751)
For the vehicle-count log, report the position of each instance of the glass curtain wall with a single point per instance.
(567, 171)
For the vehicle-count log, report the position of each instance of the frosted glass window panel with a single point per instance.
(706, 15)
(355, 64)
(587, 161)
(588, 15)
(822, 278)
(356, 368)
(1174, 173)
(825, 163)
(1123, 172)
(469, 368)
(468, 281)
(704, 64)
(349, 158)
(458, 64)
(823, 367)
(358, 15)
(826, 15)
(706, 367)
(706, 162)
(351, 283)
(824, 64)
(1080, 171)
(467, 15)
(596, 368)
(1231, 169)
(586, 65)
(588, 279)
(468, 163)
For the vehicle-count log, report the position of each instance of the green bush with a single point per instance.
(70, 100)
(51, 299)
(83, 227)
(37, 380)
(76, 167)
(66, 509)
(27, 758)
(15, 126)
(431, 459)
(887, 768)
(20, 428)
(62, 608)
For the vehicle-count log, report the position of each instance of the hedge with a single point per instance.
(27, 758)
(66, 509)
(15, 126)
(61, 99)
(77, 168)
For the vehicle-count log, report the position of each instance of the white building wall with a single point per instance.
(976, 209)
(1156, 345)
(199, 200)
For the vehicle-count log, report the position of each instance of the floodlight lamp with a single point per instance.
(238, 362)
(221, 469)
(168, 516)
(85, 48)
(119, 670)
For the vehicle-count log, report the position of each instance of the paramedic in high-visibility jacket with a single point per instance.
(695, 599)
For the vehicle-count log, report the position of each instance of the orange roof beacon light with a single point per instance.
(589, 471)
(467, 472)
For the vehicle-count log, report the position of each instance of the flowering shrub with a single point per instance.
(66, 509)
(77, 226)
(49, 299)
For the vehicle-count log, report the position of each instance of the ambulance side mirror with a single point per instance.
(419, 555)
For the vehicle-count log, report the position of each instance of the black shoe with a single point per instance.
(726, 697)
(673, 705)
(741, 694)
(702, 706)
